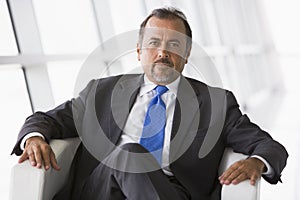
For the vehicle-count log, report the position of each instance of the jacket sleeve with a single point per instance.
(57, 123)
(248, 138)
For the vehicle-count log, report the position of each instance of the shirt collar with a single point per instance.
(148, 86)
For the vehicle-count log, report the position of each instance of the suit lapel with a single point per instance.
(185, 121)
(122, 100)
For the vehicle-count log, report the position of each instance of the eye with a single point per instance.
(174, 44)
(154, 43)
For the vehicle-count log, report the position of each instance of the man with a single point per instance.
(192, 116)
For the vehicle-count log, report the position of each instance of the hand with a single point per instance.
(39, 152)
(250, 168)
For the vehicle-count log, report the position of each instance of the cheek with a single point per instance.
(178, 60)
(147, 56)
(179, 64)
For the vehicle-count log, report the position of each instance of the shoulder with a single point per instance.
(203, 87)
(116, 79)
(107, 83)
(211, 92)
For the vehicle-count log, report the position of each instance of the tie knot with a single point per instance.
(160, 90)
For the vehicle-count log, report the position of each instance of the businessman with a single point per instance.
(161, 135)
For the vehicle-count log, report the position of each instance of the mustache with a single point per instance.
(164, 61)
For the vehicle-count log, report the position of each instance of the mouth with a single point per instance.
(163, 63)
(159, 64)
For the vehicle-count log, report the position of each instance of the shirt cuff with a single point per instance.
(270, 170)
(29, 135)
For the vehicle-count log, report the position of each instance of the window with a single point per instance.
(15, 107)
(7, 40)
(66, 26)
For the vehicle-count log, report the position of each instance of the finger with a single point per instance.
(231, 173)
(38, 157)
(224, 177)
(239, 179)
(31, 157)
(23, 157)
(226, 173)
(46, 151)
(53, 161)
(253, 179)
(236, 176)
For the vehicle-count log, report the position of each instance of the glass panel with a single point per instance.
(201, 16)
(228, 20)
(252, 22)
(126, 19)
(195, 14)
(66, 26)
(282, 19)
(150, 5)
(15, 107)
(7, 40)
(62, 77)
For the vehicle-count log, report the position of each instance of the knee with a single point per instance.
(134, 147)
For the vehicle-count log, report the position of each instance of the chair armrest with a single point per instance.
(28, 182)
(243, 190)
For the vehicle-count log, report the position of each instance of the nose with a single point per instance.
(163, 53)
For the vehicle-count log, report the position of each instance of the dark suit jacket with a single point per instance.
(206, 120)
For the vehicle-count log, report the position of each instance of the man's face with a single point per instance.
(163, 52)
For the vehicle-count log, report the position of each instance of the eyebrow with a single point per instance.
(154, 38)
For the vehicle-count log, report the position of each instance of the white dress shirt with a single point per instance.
(135, 121)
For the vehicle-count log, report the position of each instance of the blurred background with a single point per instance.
(254, 44)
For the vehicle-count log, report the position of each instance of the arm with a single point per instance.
(247, 138)
(54, 124)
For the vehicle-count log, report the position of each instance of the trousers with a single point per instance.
(108, 183)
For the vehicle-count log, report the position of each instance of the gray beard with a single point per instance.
(166, 78)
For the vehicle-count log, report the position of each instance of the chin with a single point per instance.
(164, 78)
(162, 74)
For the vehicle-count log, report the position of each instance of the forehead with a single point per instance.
(172, 28)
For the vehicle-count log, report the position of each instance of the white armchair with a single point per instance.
(30, 183)
(37, 184)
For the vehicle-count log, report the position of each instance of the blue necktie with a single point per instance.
(154, 125)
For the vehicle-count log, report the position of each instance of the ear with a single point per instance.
(187, 55)
(139, 51)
